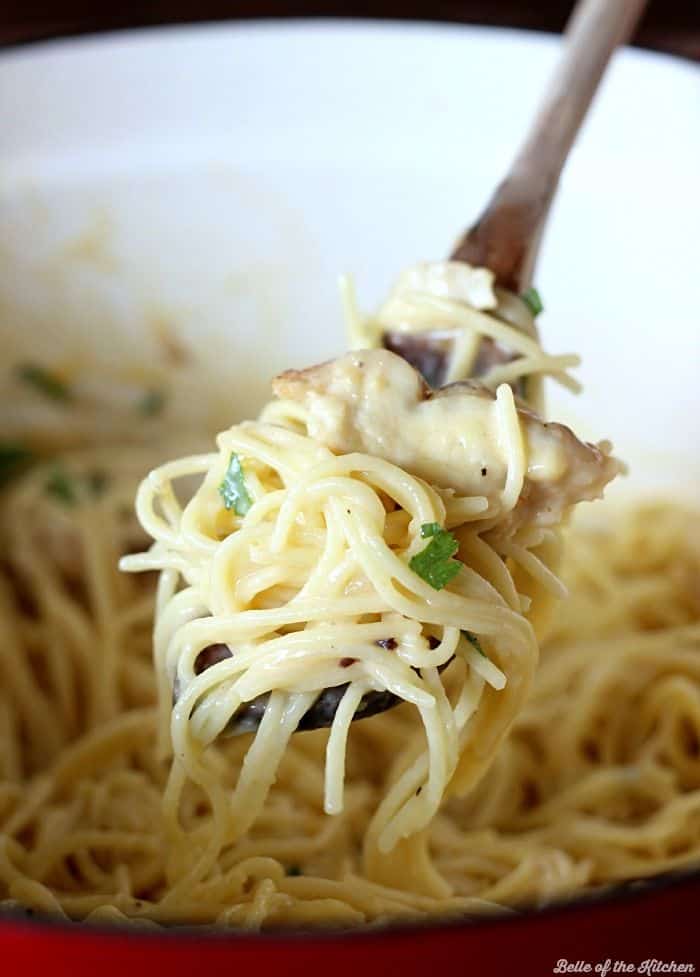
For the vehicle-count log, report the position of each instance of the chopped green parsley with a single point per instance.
(70, 488)
(233, 488)
(44, 381)
(434, 564)
(531, 298)
(62, 487)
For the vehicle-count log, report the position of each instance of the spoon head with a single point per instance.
(320, 715)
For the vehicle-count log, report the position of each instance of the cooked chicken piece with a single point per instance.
(375, 402)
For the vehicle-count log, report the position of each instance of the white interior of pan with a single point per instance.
(211, 183)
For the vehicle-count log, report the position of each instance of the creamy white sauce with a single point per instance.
(373, 401)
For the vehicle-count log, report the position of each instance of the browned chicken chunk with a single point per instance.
(459, 437)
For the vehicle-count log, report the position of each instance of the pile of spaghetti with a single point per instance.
(117, 803)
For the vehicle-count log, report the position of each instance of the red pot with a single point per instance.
(651, 930)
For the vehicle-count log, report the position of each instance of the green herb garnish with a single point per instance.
(152, 403)
(233, 488)
(70, 489)
(294, 871)
(474, 642)
(62, 487)
(434, 564)
(44, 381)
(14, 459)
(531, 298)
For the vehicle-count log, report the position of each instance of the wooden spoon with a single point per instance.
(507, 235)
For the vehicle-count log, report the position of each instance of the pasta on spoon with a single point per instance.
(368, 536)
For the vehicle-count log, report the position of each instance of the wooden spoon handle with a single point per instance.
(506, 236)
